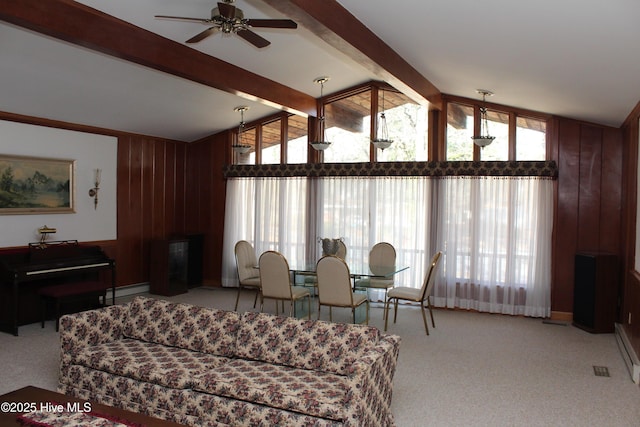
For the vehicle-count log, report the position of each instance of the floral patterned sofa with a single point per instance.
(207, 367)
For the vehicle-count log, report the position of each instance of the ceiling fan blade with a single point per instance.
(227, 10)
(181, 18)
(272, 23)
(203, 35)
(253, 38)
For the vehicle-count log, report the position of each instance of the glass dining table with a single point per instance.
(357, 272)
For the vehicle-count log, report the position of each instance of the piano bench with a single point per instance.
(69, 292)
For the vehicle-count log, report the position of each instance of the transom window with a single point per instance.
(517, 136)
(407, 125)
(348, 126)
(297, 144)
(271, 142)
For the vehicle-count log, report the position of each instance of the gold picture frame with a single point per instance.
(36, 185)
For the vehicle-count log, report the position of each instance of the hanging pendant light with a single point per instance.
(321, 144)
(484, 138)
(241, 146)
(382, 140)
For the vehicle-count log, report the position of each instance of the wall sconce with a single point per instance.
(94, 191)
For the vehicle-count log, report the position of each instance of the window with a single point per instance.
(499, 127)
(297, 143)
(271, 142)
(496, 236)
(495, 232)
(269, 130)
(531, 143)
(347, 127)
(517, 137)
(407, 126)
(459, 132)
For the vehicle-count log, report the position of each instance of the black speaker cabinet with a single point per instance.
(169, 266)
(195, 262)
(595, 292)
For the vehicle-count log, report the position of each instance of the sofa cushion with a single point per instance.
(207, 330)
(319, 394)
(149, 362)
(306, 344)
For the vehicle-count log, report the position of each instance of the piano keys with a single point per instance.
(24, 271)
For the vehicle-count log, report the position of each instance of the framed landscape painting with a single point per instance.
(34, 185)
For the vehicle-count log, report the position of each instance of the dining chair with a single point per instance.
(382, 261)
(276, 283)
(334, 287)
(312, 280)
(415, 295)
(247, 268)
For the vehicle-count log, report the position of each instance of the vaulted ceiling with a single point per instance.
(111, 64)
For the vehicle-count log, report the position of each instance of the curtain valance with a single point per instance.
(547, 168)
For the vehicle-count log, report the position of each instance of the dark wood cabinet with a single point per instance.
(169, 266)
(196, 260)
(595, 292)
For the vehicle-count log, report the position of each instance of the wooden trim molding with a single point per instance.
(545, 169)
(562, 316)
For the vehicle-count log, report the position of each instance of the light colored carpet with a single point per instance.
(473, 370)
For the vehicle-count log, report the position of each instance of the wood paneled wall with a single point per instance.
(631, 277)
(168, 188)
(588, 200)
(151, 200)
(206, 199)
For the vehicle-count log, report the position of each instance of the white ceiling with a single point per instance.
(574, 58)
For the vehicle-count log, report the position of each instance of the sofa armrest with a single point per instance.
(79, 330)
(371, 380)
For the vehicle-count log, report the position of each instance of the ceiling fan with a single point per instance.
(227, 18)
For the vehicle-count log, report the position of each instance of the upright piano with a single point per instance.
(24, 271)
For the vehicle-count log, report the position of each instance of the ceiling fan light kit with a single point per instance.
(228, 19)
(484, 138)
(321, 144)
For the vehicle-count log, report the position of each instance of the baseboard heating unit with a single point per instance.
(123, 291)
(628, 354)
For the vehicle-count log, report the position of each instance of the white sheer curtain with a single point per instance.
(494, 232)
(496, 236)
(366, 211)
(272, 214)
(268, 212)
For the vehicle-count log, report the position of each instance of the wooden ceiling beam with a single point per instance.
(84, 26)
(339, 28)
